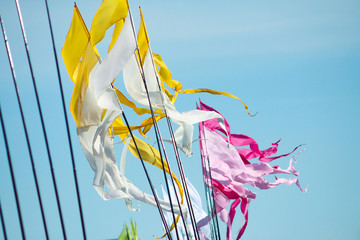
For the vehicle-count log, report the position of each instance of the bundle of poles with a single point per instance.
(159, 140)
(12, 68)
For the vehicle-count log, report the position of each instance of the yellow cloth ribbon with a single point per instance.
(75, 43)
(79, 58)
(117, 30)
(214, 92)
(109, 13)
(148, 153)
(142, 38)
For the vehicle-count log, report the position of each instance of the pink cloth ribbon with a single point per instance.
(230, 169)
(240, 140)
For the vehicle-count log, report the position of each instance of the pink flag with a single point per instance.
(226, 169)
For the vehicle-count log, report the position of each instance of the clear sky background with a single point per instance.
(296, 63)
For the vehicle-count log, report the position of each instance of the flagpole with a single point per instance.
(25, 129)
(207, 193)
(173, 183)
(12, 175)
(2, 222)
(148, 178)
(147, 175)
(172, 180)
(211, 194)
(181, 170)
(183, 178)
(187, 198)
(67, 125)
(41, 120)
(177, 156)
(157, 132)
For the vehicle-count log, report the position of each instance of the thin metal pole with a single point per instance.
(183, 179)
(156, 132)
(209, 202)
(41, 119)
(212, 198)
(211, 191)
(172, 180)
(2, 221)
(173, 183)
(25, 129)
(182, 174)
(12, 179)
(148, 178)
(67, 125)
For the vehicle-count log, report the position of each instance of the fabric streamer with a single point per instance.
(133, 78)
(96, 108)
(231, 169)
(198, 211)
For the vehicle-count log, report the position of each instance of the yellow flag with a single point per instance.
(165, 74)
(75, 43)
(79, 58)
(90, 58)
(142, 38)
(117, 30)
(109, 13)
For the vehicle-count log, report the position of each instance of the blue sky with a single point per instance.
(295, 63)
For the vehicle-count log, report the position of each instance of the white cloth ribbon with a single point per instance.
(94, 134)
(136, 89)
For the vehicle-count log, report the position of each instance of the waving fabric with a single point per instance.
(113, 63)
(198, 212)
(230, 170)
(110, 12)
(75, 43)
(133, 79)
(93, 96)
